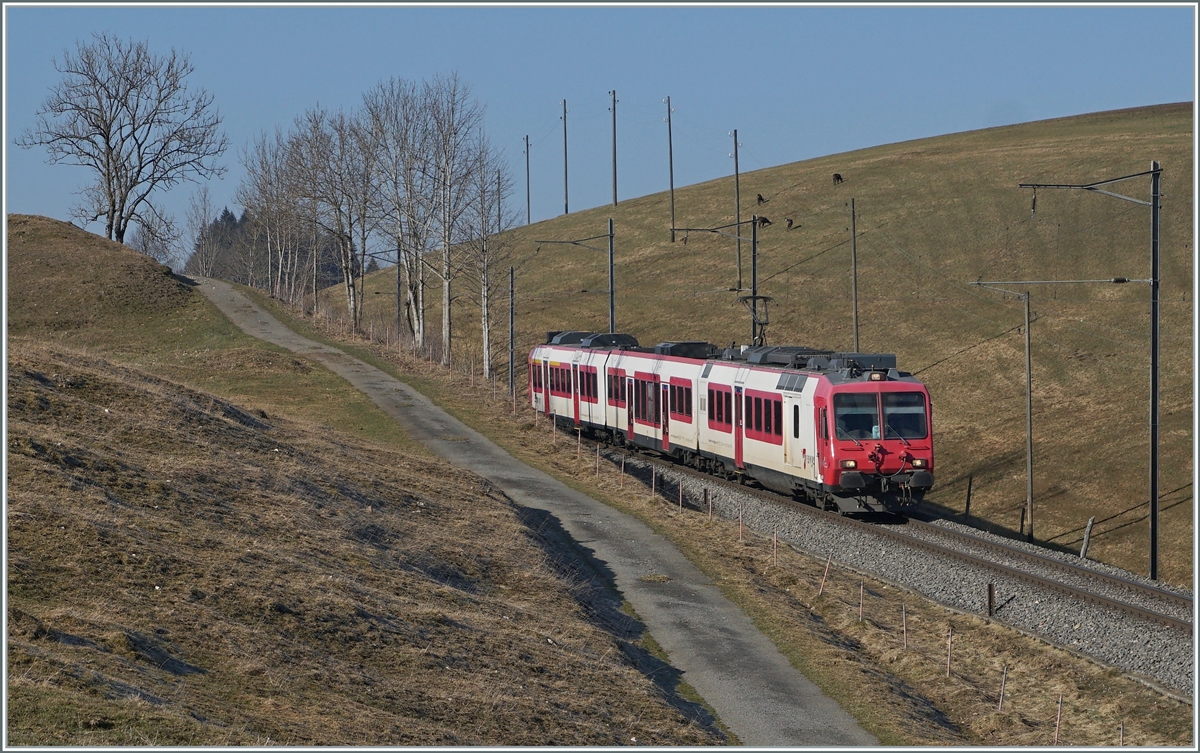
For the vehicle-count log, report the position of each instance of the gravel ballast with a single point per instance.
(1138, 646)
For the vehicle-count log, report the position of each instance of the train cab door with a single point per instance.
(737, 428)
(575, 391)
(821, 420)
(665, 411)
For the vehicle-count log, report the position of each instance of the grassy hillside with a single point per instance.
(933, 216)
(175, 580)
(213, 542)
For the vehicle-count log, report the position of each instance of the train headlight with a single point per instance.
(877, 376)
(849, 463)
(918, 462)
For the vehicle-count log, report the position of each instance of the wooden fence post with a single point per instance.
(1003, 680)
(1087, 538)
(1058, 719)
(904, 624)
(829, 560)
(949, 639)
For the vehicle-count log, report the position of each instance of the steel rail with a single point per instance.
(1171, 597)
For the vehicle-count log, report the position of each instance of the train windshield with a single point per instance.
(904, 415)
(856, 415)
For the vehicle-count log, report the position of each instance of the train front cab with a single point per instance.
(875, 444)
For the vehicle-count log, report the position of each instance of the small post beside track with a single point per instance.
(829, 561)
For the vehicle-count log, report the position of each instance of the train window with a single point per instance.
(687, 400)
(778, 417)
(856, 415)
(824, 424)
(758, 417)
(729, 407)
(904, 415)
(796, 421)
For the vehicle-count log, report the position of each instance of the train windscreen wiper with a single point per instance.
(841, 431)
(887, 426)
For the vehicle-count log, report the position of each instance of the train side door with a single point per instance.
(737, 428)
(629, 408)
(665, 410)
(545, 367)
(792, 446)
(575, 390)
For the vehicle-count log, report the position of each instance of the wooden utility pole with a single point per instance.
(737, 212)
(614, 119)
(854, 271)
(671, 168)
(527, 213)
(566, 205)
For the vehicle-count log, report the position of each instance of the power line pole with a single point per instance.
(1028, 425)
(671, 168)
(614, 113)
(737, 201)
(566, 206)
(854, 271)
(1155, 173)
(612, 282)
(527, 214)
(754, 328)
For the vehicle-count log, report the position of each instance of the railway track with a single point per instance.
(1085, 607)
(1136, 627)
(1074, 581)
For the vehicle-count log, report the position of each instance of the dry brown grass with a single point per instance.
(902, 695)
(213, 542)
(183, 572)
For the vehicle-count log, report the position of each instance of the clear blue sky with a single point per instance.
(797, 81)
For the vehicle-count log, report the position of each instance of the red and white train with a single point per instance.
(843, 431)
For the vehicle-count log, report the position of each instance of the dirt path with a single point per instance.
(755, 691)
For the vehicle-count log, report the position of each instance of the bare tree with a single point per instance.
(267, 193)
(456, 119)
(205, 246)
(129, 116)
(487, 250)
(158, 238)
(405, 191)
(331, 163)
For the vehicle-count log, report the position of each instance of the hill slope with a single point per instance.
(933, 216)
(183, 570)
